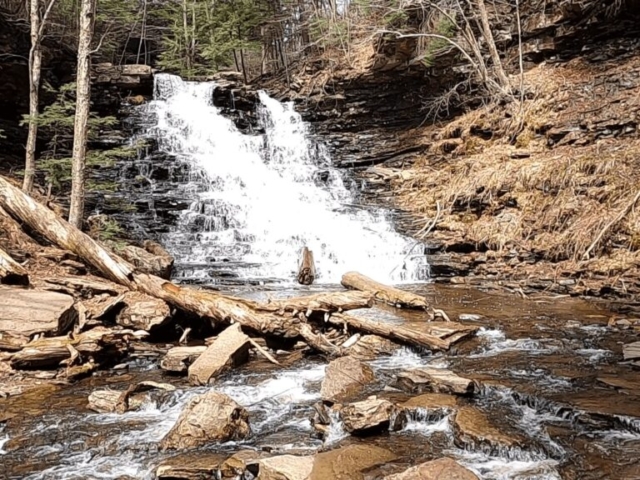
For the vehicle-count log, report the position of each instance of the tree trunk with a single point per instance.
(439, 336)
(491, 44)
(11, 272)
(383, 293)
(35, 64)
(83, 99)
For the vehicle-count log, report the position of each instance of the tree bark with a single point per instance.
(83, 99)
(383, 293)
(35, 64)
(11, 272)
(307, 270)
(400, 333)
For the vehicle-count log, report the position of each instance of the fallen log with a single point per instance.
(437, 337)
(11, 272)
(307, 269)
(383, 293)
(50, 352)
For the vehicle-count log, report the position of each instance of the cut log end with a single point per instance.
(307, 269)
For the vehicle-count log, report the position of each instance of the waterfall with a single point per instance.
(258, 199)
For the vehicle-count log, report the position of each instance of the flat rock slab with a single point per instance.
(441, 469)
(430, 401)
(344, 378)
(369, 416)
(27, 312)
(190, 466)
(427, 379)
(210, 417)
(474, 426)
(349, 462)
(178, 359)
(369, 347)
(230, 348)
(631, 351)
(286, 467)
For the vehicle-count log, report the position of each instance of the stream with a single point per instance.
(558, 402)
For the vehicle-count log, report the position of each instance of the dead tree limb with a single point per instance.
(383, 293)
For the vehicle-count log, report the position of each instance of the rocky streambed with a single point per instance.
(539, 393)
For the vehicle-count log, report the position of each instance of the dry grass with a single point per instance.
(554, 202)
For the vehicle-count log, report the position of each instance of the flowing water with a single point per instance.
(257, 200)
(544, 366)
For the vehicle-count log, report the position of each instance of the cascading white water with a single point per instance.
(260, 198)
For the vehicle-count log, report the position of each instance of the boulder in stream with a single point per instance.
(441, 469)
(473, 426)
(142, 312)
(427, 379)
(370, 347)
(27, 312)
(210, 417)
(369, 416)
(178, 359)
(230, 348)
(344, 378)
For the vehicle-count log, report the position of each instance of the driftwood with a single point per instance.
(432, 335)
(383, 293)
(11, 272)
(307, 269)
(50, 352)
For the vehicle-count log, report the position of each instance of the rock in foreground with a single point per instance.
(286, 467)
(210, 417)
(370, 416)
(426, 379)
(345, 377)
(27, 312)
(441, 469)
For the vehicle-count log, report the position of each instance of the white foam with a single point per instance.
(490, 467)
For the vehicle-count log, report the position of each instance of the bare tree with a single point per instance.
(83, 98)
(38, 21)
